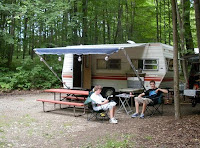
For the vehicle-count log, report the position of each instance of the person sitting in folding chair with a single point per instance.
(102, 103)
(149, 97)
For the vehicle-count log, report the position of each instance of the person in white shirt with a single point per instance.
(103, 104)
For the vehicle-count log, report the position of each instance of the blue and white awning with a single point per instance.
(86, 49)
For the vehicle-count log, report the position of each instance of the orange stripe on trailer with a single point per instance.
(125, 78)
(67, 76)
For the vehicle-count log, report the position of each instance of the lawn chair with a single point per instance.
(98, 115)
(156, 106)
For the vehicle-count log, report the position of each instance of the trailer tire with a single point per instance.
(108, 91)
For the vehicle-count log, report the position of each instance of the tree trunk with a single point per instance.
(75, 38)
(118, 33)
(183, 63)
(160, 38)
(25, 40)
(132, 20)
(187, 28)
(96, 29)
(127, 34)
(85, 27)
(33, 41)
(157, 25)
(11, 46)
(175, 61)
(108, 27)
(164, 29)
(104, 27)
(169, 23)
(197, 17)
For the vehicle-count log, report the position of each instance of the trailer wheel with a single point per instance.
(108, 91)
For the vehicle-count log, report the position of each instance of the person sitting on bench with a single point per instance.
(149, 95)
(103, 104)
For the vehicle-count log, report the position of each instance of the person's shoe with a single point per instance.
(134, 115)
(113, 120)
(142, 116)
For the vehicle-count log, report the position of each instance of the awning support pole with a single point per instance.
(133, 67)
(53, 71)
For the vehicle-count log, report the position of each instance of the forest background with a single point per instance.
(29, 24)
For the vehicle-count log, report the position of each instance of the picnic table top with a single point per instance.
(68, 91)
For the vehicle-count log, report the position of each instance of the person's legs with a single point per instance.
(145, 102)
(111, 113)
(136, 114)
(136, 106)
(111, 107)
(144, 107)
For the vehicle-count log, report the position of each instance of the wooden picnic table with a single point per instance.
(68, 91)
(70, 94)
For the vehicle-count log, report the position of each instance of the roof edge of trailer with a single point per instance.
(87, 49)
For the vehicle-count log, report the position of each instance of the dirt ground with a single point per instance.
(24, 124)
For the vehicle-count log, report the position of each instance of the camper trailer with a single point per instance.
(153, 61)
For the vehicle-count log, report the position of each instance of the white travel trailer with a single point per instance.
(153, 61)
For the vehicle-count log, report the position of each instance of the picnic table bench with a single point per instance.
(70, 94)
(74, 104)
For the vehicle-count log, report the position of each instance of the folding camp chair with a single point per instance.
(98, 115)
(156, 106)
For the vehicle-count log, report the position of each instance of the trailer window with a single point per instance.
(169, 64)
(145, 64)
(110, 64)
(150, 64)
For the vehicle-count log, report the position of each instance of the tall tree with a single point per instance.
(157, 22)
(84, 21)
(186, 24)
(118, 33)
(181, 26)
(197, 17)
(175, 61)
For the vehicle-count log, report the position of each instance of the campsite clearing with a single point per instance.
(24, 124)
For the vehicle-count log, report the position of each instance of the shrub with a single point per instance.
(29, 75)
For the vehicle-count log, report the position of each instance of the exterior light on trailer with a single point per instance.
(79, 58)
(59, 58)
(131, 42)
(106, 58)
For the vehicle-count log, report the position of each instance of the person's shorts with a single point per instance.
(106, 106)
(142, 100)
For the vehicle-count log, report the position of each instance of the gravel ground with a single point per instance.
(24, 124)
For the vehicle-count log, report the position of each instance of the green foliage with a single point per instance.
(29, 76)
(40, 23)
(125, 142)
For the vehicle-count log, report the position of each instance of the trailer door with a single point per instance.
(67, 71)
(77, 74)
(87, 72)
